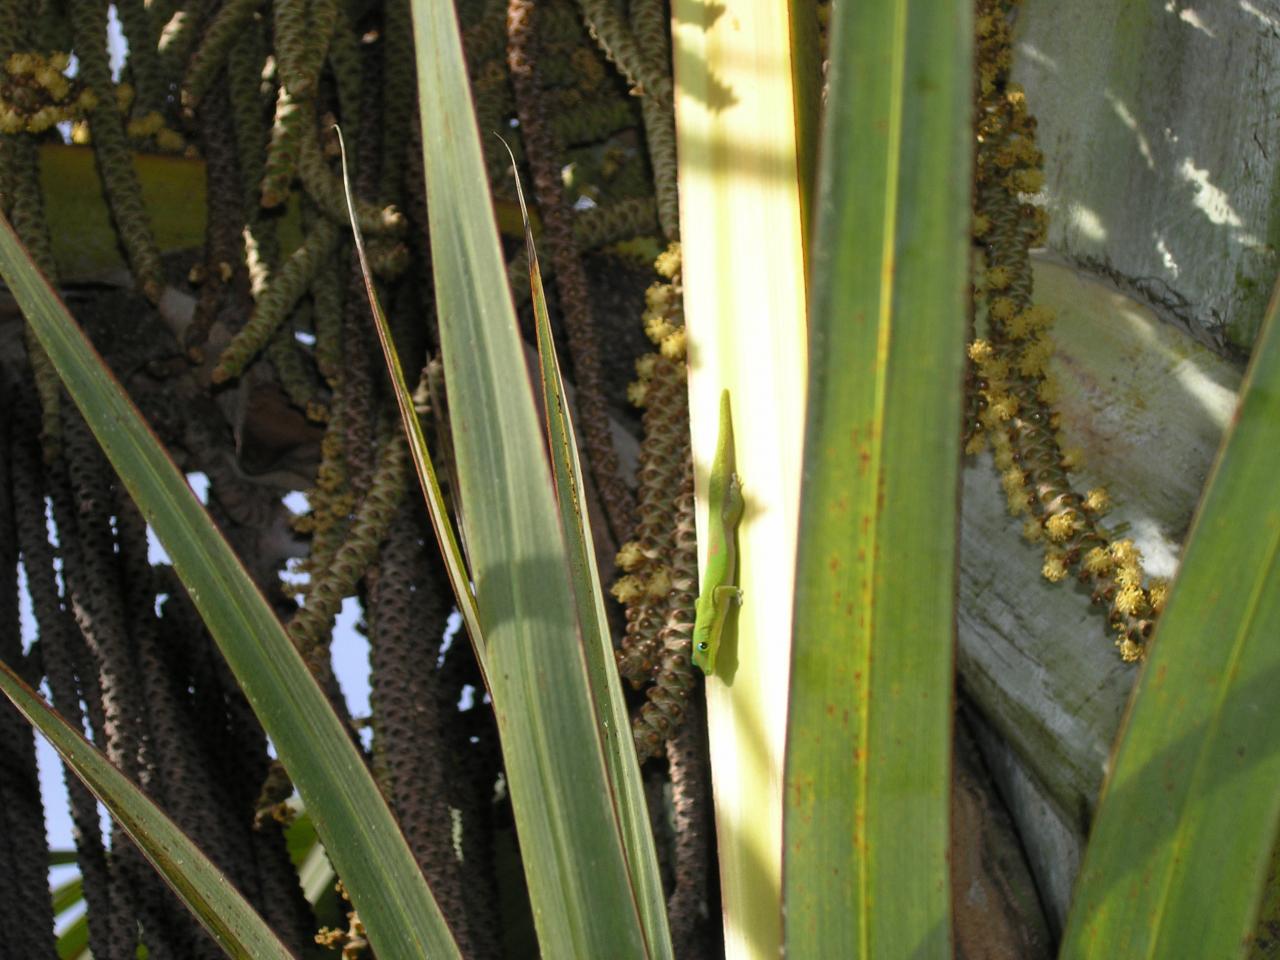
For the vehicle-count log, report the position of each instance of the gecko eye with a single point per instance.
(702, 644)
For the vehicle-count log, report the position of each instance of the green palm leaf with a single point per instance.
(868, 751)
(216, 903)
(1188, 817)
(353, 820)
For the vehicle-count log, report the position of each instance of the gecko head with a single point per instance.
(704, 655)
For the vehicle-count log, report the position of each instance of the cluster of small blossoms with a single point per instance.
(1011, 393)
(660, 580)
(646, 573)
(663, 321)
(353, 941)
(36, 94)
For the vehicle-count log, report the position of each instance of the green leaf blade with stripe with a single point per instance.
(583, 830)
(868, 752)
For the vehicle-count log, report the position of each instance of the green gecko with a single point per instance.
(719, 584)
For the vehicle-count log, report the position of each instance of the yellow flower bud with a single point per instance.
(1055, 567)
(668, 262)
(1002, 308)
(1129, 575)
(1017, 326)
(630, 555)
(627, 589)
(674, 345)
(989, 419)
(656, 326)
(1005, 406)
(1097, 501)
(1013, 481)
(1028, 181)
(1039, 316)
(42, 120)
(1130, 601)
(1097, 561)
(658, 296)
(1034, 358)
(999, 277)
(1060, 526)
(20, 64)
(53, 81)
(1124, 552)
(980, 351)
